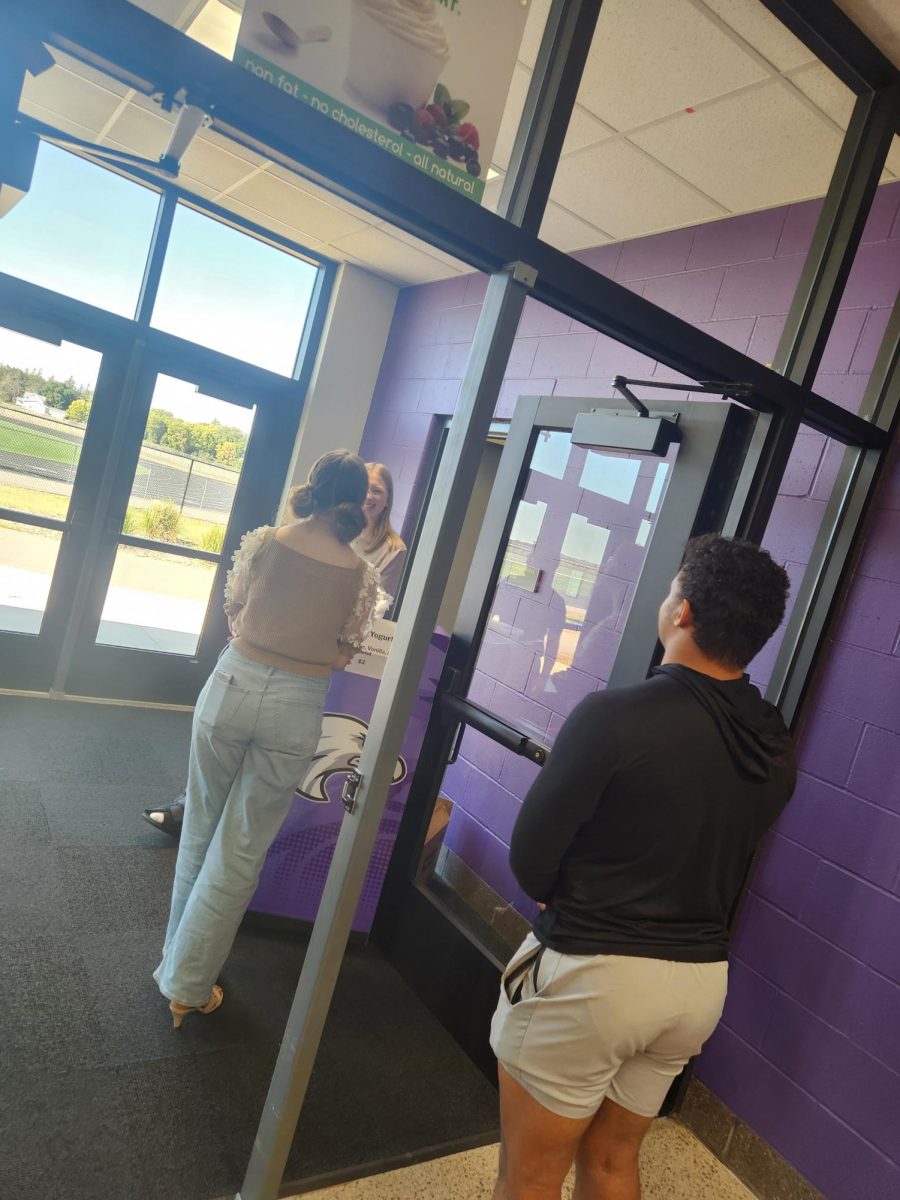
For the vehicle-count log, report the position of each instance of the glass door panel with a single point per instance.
(577, 545)
(173, 529)
(45, 401)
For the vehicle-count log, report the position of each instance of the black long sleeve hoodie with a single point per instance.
(639, 830)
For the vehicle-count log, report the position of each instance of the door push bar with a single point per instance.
(473, 715)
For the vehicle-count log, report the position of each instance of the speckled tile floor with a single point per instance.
(674, 1166)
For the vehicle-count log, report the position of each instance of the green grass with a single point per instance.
(19, 440)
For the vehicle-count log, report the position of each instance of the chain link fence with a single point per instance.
(35, 447)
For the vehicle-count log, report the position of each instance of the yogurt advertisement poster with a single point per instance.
(426, 80)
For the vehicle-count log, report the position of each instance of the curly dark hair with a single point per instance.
(737, 595)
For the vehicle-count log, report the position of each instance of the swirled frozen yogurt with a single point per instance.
(398, 49)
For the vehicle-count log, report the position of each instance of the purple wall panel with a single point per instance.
(815, 979)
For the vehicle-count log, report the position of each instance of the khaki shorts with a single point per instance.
(575, 1028)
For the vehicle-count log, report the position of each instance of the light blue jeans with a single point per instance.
(255, 731)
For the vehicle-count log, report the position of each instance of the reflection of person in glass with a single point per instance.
(635, 840)
(299, 602)
(379, 543)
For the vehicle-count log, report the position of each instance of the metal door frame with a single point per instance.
(431, 945)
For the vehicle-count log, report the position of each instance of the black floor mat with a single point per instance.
(99, 1096)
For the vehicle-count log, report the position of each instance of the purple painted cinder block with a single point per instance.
(749, 1004)
(799, 227)
(766, 335)
(843, 829)
(691, 295)
(846, 1080)
(611, 358)
(871, 616)
(482, 852)
(519, 709)
(736, 333)
(521, 357)
(737, 239)
(870, 341)
(759, 289)
(568, 354)
(491, 805)
(863, 685)
(504, 660)
(845, 390)
(662, 254)
(843, 340)
(518, 774)
(873, 276)
(438, 396)
(820, 1145)
(602, 259)
(785, 874)
(481, 752)
(876, 771)
(861, 919)
(881, 554)
(458, 324)
(885, 210)
(828, 745)
(793, 528)
(538, 320)
(803, 464)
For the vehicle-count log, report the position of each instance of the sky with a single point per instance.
(85, 232)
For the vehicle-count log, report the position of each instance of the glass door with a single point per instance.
(584, 531)
(51, 387)
(202, 460)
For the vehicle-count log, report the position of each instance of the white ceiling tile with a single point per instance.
(826, 91)
(235, 149)
(650, 58)
(765, 33)
(298, 210)
(893, 158)
(141, 130)
(567, 232)
(285, 231)
(752, 151)
(880, 21)
(617, 188)
(173, 12)
(215, 166)
(584, 130)
(534, 31)
(75, 67)
(389, 256)
(73, 98)
(59, 121)
(512, 115)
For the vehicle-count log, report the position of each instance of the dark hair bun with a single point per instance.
(347, 520)
(301, 501)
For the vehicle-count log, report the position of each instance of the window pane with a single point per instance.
(189, 467)
(27, 561)
(45, 398)
(230, 292)
(156, 601)
(81, 230)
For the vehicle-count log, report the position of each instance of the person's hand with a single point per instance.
(542, 907)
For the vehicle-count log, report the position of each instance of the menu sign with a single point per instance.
(426, 80)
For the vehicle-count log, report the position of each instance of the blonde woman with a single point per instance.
(299, 602)
(379, 543)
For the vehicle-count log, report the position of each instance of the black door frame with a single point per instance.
(439, 954)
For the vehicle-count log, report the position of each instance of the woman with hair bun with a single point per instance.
(299, 601)
(379, 543)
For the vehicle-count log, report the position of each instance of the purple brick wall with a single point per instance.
(809, 1049)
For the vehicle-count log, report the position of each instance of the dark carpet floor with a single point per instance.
(99, 1096)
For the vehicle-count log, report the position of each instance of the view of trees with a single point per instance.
(209, 441)
(58, 393)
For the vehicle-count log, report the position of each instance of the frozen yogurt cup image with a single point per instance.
(398, 49)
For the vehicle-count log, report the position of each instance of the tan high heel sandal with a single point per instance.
(180, 1011)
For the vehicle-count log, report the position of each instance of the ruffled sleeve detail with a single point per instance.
(237, 582)
(359, 623)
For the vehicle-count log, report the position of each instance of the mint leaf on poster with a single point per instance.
(441, 95)
(458, 109)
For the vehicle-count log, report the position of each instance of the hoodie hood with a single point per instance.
(751, 728)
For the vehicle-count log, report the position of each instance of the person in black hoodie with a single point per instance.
(636, 840)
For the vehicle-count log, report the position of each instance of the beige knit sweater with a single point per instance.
(294, 612)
